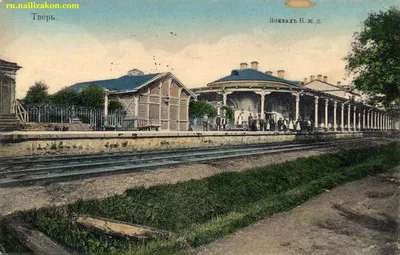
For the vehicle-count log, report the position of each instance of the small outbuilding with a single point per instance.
(158, 99)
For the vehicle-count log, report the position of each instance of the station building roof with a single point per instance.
(124, 83)
(250, 74)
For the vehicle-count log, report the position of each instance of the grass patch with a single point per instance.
(199, 211)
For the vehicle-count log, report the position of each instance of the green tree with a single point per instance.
(115, 105)
(228, 112)
(93, 96)
(198, 109)
(374, 59)
(67, 96)
(37, 94)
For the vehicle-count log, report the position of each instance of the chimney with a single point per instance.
(305, 80)
(243, 65)
(325, 79)
(281, 74)
(254, 65)
(312, 77)
(339, 83)
(268, 72)
(319, 77)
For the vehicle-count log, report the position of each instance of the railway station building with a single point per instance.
(330, 107)
(8, 71)
(158, 100)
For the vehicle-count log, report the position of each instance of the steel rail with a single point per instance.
(52, 173)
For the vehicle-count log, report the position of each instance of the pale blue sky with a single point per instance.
(191, 20)
(222, 32)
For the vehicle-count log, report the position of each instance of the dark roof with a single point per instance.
(11, 65)
(123, 83)
(254, 75)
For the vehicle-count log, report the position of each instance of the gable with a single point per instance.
(327, 88)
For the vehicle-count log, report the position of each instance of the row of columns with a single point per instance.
(371, 119)
(379, 121)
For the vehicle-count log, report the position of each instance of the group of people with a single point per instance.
(259, 124)
(220, 122)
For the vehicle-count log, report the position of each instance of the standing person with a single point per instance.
(291, 125)
(205, 122)
(256, 123)
(280, 124)
(299, 125)
(272, 124)
(267, 125)
(218, 122)
(223, 122)
(262, 123)
(240, 120)
(250, 121)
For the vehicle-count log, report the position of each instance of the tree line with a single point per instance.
(91, 96)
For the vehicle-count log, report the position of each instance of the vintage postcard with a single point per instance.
(199, 126)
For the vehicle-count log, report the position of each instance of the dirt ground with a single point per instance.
(59, 193)
(360, 217)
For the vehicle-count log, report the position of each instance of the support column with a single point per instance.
(348, 118)
(376, 120)
(262, 106)
(372, 120)
(379, 121)
(355, 119)
(326, 113)
(316, 112)
(106, 91)
(225, 98)
(262, 102)
(297, 106)
(385, 122)
(368, 114)
(359, 120)
(342, 118)
(334, 116)
(364, 116)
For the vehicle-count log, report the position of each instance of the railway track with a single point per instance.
(30, 170)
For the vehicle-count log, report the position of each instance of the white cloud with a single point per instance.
(64, 61)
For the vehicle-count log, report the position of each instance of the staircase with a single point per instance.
(8, 122)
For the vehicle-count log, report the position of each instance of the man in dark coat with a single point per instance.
(250, 122)
(280, 124)
(272, 124)
(218, 122)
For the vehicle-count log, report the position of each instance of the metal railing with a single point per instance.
(51, 113)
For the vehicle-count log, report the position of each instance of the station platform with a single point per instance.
(21, 143)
